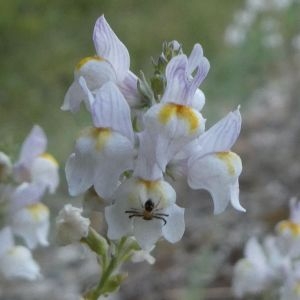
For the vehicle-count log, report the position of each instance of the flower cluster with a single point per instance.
(143, 133)
(22, 186)
(272, 267)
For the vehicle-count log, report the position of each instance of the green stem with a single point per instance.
(109, 266)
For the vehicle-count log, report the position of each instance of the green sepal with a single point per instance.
(114, 282)
(96, 242)
(145, 89)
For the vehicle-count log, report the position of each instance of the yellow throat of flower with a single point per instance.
(182, 112)
(291, 227)
(87, 59)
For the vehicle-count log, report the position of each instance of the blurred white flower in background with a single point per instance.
(273, 266)
(24, 215)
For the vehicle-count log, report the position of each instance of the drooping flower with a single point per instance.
(104, 152)
(16, 261)
(71, 226)
(110, 64)
(145, 210)
(212, 166)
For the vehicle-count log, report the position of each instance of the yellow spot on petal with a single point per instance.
(49, 157)
(38, 211)
(149, 185)
(182, 112)
(101, 136)
(154, 190)
(87, 59)
(230, 159)
(289, 226)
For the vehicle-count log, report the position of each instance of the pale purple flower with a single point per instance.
(110, 64)
(174, 122)
(212, 166)
(102, 153)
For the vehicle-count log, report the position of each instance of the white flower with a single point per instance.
(71, 226)
(212, 166)
(104, 152)
(174, 122)
(146, 210)
(16, 261)
(289, 231)
(35, 165)
(32, 224)
(111, 64)
(252, 274)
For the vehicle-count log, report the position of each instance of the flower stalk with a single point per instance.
(110, 259)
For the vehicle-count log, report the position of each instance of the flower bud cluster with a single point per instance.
(143, 132)
(273, 266)
(22, 187)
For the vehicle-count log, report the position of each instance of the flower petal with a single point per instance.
(71, 226)
(201, 73)
(109, 46)
(79, 173)
(182, 85)
(171, 127)
(73, 97)
(18, 263)
(198, 100)
(221, 136)
(119, 224)
(255, 253)
(177, 80)
(147, 232)
(32, 224)
(101, 156)
(110, 110)
(34, 145)
(26, 194)
(146, 165)
(44, 172)
(217, 173)
(195, 58)
(128, 87)
(175, 226)
(116, 158)
(96, 71)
